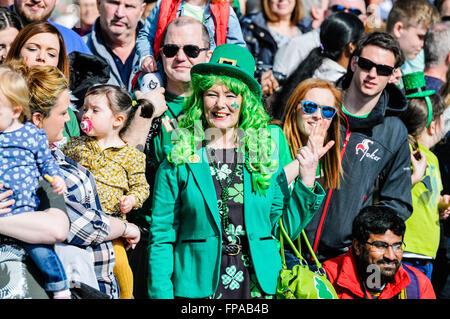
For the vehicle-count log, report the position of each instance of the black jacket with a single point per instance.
(376, 169)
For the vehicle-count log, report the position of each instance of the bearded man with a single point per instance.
(372, 268)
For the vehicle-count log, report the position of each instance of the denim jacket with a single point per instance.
(146, 36)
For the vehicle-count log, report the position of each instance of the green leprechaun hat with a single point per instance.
(415, 86)
(234, 61)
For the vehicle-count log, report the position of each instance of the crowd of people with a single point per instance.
(152, 150)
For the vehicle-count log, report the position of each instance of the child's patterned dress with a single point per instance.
(118, 171)
(24, 157)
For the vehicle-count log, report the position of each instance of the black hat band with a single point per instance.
(416, 90)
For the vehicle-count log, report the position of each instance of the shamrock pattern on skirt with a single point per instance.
(232, 278)
(237, 193)
(237, 278)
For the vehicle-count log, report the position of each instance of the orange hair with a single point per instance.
(331, 161)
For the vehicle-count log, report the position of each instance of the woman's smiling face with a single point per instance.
(221, 107)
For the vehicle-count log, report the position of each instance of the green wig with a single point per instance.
(256, 142)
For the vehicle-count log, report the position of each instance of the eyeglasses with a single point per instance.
(311, 107)
(382, 246)
(367, 65)
(191, 51)
(339, 8)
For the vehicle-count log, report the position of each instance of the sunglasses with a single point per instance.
(367, 65)
(328, 112)
(339, 8)
(191, 51)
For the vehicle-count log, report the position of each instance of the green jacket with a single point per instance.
(185, 242)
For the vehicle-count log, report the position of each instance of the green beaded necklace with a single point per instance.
(225, 195)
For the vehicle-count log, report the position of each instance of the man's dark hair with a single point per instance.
(376, 219)
(380, 39)
(383, 40)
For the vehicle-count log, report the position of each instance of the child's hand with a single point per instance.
(444, 207)
(149, 65)
(127, 203)
(4, 202)
(58, 184)
(419, 166)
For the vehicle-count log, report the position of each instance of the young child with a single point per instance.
(118, 168)
(218, 17)
(24, 157)
(408, 22)
(425, 123)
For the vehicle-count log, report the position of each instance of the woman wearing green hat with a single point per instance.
(220, 193)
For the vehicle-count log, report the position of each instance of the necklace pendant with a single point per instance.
(224, 210)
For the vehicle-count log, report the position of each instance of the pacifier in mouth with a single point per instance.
(86, 125)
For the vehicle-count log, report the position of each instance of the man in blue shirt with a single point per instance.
(40, 10)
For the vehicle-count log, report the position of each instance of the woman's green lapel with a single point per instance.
(199, 166)
(249, 195)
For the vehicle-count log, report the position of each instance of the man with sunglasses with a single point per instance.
(374, 146)
(289, 56)
(185, 43)
(372, 268)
